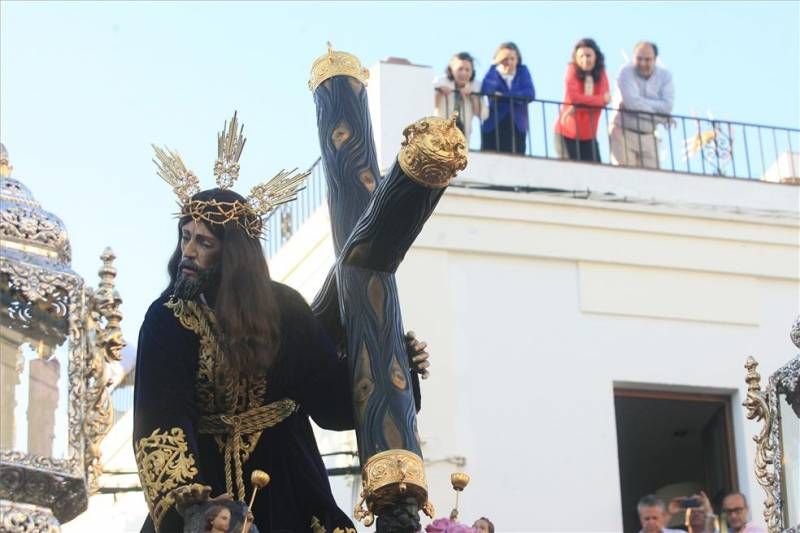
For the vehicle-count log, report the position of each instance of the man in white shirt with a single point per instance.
(645, 87)
(735, 511)
(653, 515)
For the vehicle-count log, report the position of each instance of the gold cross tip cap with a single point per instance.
(459, 480)
(336, 63)
(433, 151)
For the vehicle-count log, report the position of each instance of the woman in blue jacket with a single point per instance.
(510, 88)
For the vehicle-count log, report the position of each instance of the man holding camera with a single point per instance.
(699, 516)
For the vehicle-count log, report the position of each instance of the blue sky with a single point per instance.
(86, 87)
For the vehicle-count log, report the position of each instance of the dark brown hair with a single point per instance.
(491, 525)
(463, 56)
(247, 314)
(599, 62)
(508, 46)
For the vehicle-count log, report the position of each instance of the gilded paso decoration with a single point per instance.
(433, 151)
(336, 63)
(388, 474)
(762, 405)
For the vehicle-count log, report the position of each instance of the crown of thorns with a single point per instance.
(259, 204)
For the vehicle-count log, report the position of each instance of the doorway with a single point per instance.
(673, 444)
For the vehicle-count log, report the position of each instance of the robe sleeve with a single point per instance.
(165, 413)
(522, 86)
(322, 383)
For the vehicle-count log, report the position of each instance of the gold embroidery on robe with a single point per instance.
(164, 464)
(216, 391)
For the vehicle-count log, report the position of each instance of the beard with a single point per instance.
(188, 287)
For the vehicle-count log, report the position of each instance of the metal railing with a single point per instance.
(680, 143)
(288, 218)
(683, 144)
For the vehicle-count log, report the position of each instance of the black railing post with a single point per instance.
(730, 149)
(746, 152)
(671, 150)
(577, 108)
(496, 124)
(702, 148)
(608, 133)
(791, 154)
(686, 146)
(715, 129)
(513, 128)
(639, 136)
(544, 128)
(777, 156)
(761, 149)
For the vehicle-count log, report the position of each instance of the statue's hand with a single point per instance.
(189, 495)
(195, 494)
(418, 358)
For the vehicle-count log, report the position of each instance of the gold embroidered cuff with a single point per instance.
(164, 464)
(433, 151)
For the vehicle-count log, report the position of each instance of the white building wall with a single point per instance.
(536, 306)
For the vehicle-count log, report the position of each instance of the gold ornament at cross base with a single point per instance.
(433, 151)
(387, 475)
(336, 64)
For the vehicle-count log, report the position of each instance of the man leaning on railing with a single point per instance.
(647, 88)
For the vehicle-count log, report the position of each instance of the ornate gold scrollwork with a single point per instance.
(101, 321)
(386, 475)
(757, 406)
(433, 151)
(38, 279)
(164, 464)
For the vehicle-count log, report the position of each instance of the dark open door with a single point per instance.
(672, 443)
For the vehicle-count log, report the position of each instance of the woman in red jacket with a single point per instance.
(585, 97)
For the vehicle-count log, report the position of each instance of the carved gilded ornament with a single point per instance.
(433, 151)
(762, 405)
(49, 482)
(336, 63)
(102, 318)
(25, 518)
(35, 263)
(36, 273)
(389, 474)
(26, 227)
(164, 465)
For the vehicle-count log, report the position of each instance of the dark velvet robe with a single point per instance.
(171, 395)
